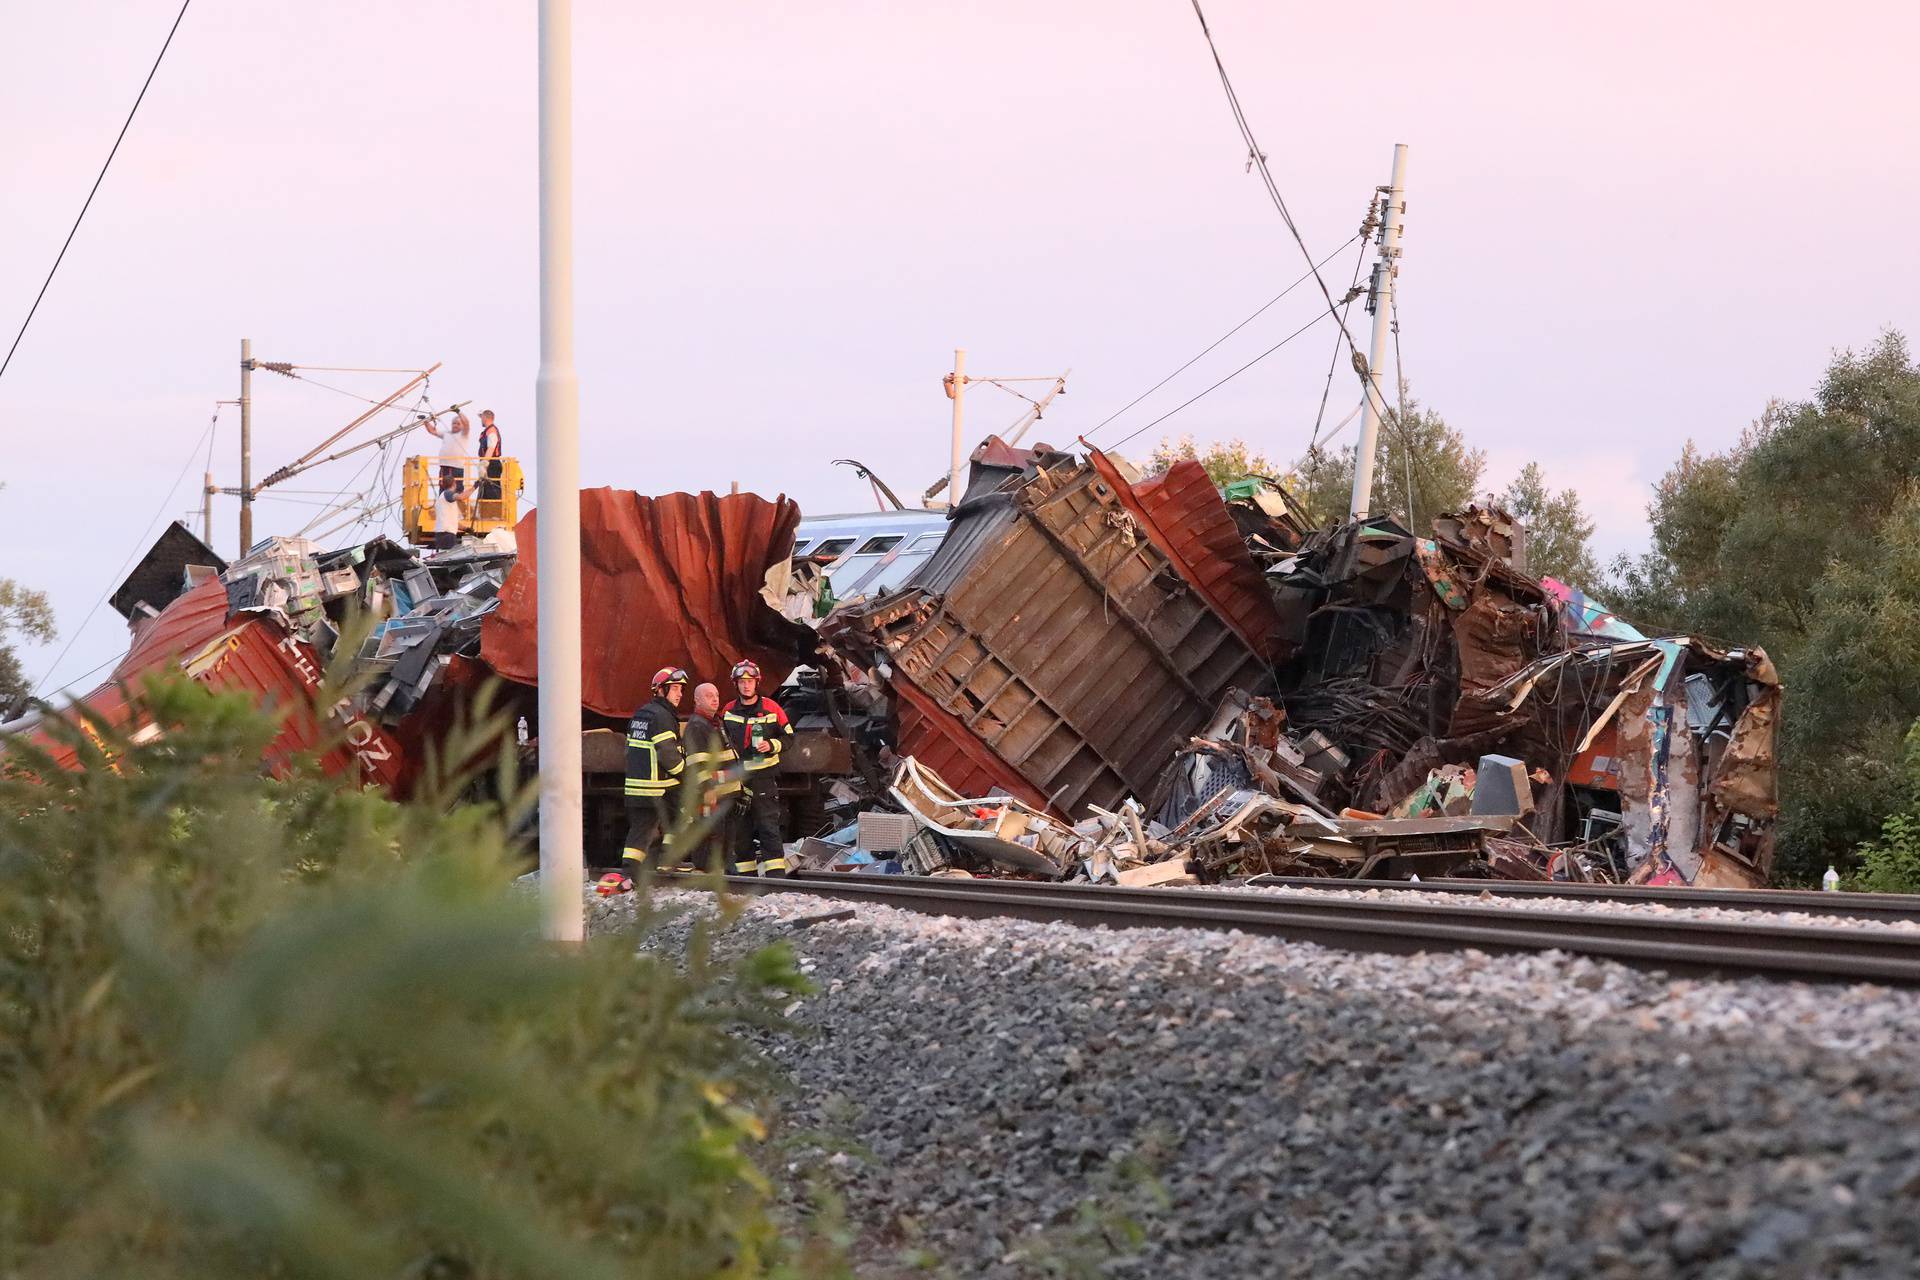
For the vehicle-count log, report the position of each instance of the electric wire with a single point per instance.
(1400, 386)
(328, 368)
(74, 230)
(1255, 156)
(140, 544)
(1359, 261)
(1318, 317)
(1261, 310)
(327, 386)
(1316, 457)
(336, 503)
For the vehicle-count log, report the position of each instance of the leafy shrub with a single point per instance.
(1891, 864)
(286, 1027)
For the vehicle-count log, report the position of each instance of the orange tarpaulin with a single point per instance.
(672, 581)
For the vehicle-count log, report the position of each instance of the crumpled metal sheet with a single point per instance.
(1497, 636)
(674, 580)
(257, 655)
(1050, 630)
(1185, 516)
(1746, 780)
(188, 623)
(941, 741)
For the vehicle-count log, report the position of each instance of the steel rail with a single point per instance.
(1724, 948)
(1855, 906)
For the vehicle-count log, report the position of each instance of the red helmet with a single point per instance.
(611, 883)
(666, 676)
(746, 669)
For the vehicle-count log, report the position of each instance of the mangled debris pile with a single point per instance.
(685, 580)
(1356, 700)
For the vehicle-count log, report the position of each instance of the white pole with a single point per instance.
(956, 479)
(557, 542)
(246, 447)
(1380, 299)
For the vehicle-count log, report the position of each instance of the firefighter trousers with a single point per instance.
(758, 837)
(648, 823)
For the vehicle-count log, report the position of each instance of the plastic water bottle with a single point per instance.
(1830, 881)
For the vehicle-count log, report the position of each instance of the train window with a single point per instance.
(879, 546)
(833, 547)
(927, 541)
(799, 546)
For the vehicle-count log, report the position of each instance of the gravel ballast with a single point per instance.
(1006, 1098)
(1589, 906)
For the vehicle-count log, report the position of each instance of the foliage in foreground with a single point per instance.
(288, 1028)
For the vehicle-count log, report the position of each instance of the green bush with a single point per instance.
(285, 1027)
(1891, 864)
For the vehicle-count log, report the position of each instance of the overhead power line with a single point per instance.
(1318, 317)
(140, 545)
(1256, 158)
(1222, 338)
(61, 256)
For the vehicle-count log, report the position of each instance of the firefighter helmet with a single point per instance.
(746, 669)
(611, 883)
(666, 676)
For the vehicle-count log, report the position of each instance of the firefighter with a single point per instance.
(757, 729)
(712, 762)
(655, 760)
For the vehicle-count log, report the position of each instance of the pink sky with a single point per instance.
(1628, 226)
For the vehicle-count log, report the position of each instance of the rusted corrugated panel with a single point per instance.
(942, 743)
(188, 623)
(1186, 517)
(254, 655)
(667, 581)
(282, 672)
(1052, 630)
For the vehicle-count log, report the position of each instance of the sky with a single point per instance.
(1627, 227)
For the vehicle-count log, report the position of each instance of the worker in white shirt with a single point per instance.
(455, 456)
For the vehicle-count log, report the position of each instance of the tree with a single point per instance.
(25, 614)
(1422, 468)
(1804, 537)
(1224, 460)
(1557, 528)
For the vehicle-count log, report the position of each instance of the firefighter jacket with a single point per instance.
(654, 755)
(711, 756)
(757, 731)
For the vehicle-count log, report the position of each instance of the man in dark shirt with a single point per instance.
(715, 770)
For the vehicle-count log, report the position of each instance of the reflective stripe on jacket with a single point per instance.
(711, 756)
(655, 758)
(758, 730)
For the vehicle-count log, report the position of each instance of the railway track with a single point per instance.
(1679, 944)
(1856, 906)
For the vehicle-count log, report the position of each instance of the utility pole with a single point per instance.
(1386, 265)
(957, 388)
(956, 385)
(206, 510)
(246, 447)
(557, 537)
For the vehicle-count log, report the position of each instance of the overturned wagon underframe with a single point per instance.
(1053, 646)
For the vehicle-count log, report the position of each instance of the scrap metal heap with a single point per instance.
(1142, 680)
(683, 579)
(1096, 675)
